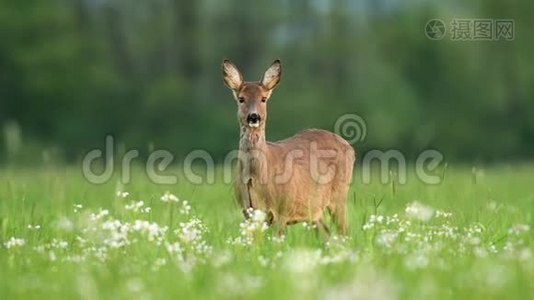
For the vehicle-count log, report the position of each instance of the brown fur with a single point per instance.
(295, 179)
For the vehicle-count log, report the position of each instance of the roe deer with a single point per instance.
(293, 180)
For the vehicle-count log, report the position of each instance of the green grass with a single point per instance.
(480, 259)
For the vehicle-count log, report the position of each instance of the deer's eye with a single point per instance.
(264, 99)
(241, 99)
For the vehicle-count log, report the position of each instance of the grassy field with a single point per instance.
(62, 237)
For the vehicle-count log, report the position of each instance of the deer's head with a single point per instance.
(251, 97)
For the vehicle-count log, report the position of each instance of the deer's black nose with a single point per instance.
(253, 118)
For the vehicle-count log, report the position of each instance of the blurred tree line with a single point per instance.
(148, 72)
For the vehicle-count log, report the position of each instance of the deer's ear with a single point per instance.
(231, 75)
(272, 76)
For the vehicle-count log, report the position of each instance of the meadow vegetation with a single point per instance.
(469, 237)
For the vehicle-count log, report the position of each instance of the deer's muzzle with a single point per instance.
(253, 120)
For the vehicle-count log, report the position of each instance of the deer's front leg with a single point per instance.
(244, 197)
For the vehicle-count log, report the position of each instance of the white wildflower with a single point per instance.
(376, 218)
(416, 260)
(392, 219)
(386, 238)
(524, 254)
(152, 231)
(238, 285)
(77, 208)
(221, 258)
(158, 263)
(173, 248)
(185, 208)
(117, 233)
(135, 285)
(264, 261)
(418, 211)
(100, 215)
(493, 206)
(309, 226)
(251, 228)
(190, 231)
(367, 284)
(368, 226)
(302, 261)
(277, 239)
(191, 234)
(519, 229)
(14, 242)
(443, 214)
(121, 194)
(136, 206)
(259, 216)
(59, 244)
(74, 258)
(480, 252)
(34, 227)
(64, 224)
(168, 197)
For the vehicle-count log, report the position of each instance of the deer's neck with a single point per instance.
(253, 153)
(252, 139)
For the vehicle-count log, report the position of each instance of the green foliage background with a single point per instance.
(149, 73)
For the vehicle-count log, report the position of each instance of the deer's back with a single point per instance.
(304, 139)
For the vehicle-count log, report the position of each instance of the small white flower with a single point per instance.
(480, 252)
(416, 210)
(34, 227)
(121, 194)
(443, 214)
(259, 216)
(135, 206)
(302, 261)
(64, 224)
(252, 228)
(416, 260)
(264, 262)
(367, 226)
(14, 242)
(524, 254)
(135, 285)
(386, 238)
(173, 248)
(152, 231)
(493, 206)
(309, 226)
(158, 263)
(59, 244)
(237, 286)
(519, 229)
(191, 231)
(277, 239)
(101, 214)
(168, 197)
(380, 218)
(52, 256)
(77, 207)
(392, 220)
(185, 208)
